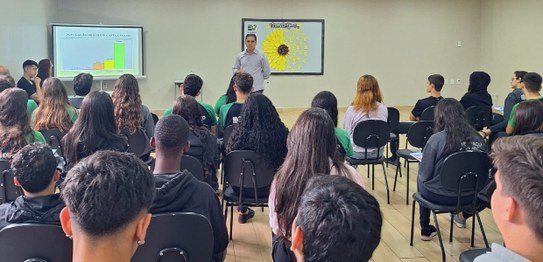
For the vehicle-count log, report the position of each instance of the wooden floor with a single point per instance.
(252, 241)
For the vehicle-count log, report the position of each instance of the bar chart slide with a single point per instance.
(103, 54)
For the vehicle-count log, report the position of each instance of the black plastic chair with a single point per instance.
(139, 145)
(372, 134)
(226, 136)
(428, 113)
(417, 136)
(9, 191)
(247, 171)
(53, 138)
(393, 121)
(479, 116)
(183, 236)
(466, 173)
(194, 166)
(35, 242)
(470, 255)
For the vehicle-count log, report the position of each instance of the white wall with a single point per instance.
(511, 40)
(400, 42)
(23, 32)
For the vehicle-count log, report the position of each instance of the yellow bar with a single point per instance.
(109, 64)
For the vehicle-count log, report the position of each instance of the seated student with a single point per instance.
(516, 202)
(531, 86)
(227, 98)
(30, 82)
(367, 105)
(312, 150)
(203, 145)
(261, 130)
(130, 114)
(7, 81)
(477, 94)
(15, 131)
(229, 113)
(4, 70)
(529, 118)
(107, 219)
(337, 221)
(55, 111)
(179, 191)
(516, 96)
(433, 87)
(36, 173)
(192, 86)
(452, 134)
(93, 130)
(82, 87)
(328, 101)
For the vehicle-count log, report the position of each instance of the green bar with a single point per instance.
(118, 55)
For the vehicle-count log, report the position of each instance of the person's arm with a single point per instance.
(38, 95)
(413, 118)
(427, 164)
(237, 65)
(347, 125)
(509, 102)
(266, 71)
(416, 112)
(511, 123)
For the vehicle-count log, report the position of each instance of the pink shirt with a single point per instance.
(352, 174)
(353, 117)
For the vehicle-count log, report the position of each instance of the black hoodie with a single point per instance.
(43, 210)
(477, 94)
(182, 192)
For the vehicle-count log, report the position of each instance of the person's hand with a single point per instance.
(37, 80)
(486, 131)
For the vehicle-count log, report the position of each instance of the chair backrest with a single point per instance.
(227, 133)
(420, 132)
(247, 169)
(465, 171)
(193, 165)
(34, 242)
(393, 119)
(11, 192)
(479, 116)
(139, 143)
(371, 134)
(53, 137)
(428, 113)
(184, 236)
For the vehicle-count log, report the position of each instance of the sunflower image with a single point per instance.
(286, 49)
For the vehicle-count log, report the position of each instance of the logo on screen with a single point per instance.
(251, 27)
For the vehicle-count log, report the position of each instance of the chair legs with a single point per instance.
(482, 230)
(439, 237)
(399, 170)
(386, 181)
(231, 219)
(412, 223)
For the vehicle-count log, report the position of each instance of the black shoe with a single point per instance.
(243, 217)
(426, 234)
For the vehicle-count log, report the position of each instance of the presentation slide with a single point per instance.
(106, 52)
(292, 46)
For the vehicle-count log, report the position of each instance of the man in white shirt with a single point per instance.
(253, 62)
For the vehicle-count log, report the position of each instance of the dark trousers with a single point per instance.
(403, 128)
(440, 199)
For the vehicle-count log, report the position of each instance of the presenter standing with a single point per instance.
(253, 62)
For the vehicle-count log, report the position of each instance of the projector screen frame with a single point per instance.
(101, 78)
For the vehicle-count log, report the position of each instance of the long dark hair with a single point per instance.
(96, 119)
(260, 129)
(44, 67)
(478, 82)
(127, 101)
(14, 122)
(230, 93)
(450, 117)
(52, 110)
(311, 144)
(327, 101)
(529, 118)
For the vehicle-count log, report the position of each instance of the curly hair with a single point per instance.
(127, 102)
(52, 112)
(14, 122)
(367, 94)
(311, 145)
(260, 129)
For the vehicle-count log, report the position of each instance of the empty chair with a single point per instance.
(372, 134)
(183, 236)
(35, 242)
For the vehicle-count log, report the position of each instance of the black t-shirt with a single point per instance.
(423, 104)
(232, 117)
(28, 86)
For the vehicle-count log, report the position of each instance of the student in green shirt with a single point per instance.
(227, 98)
(531, 86)
(327, 101)
(55, 111)
(15, 131)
